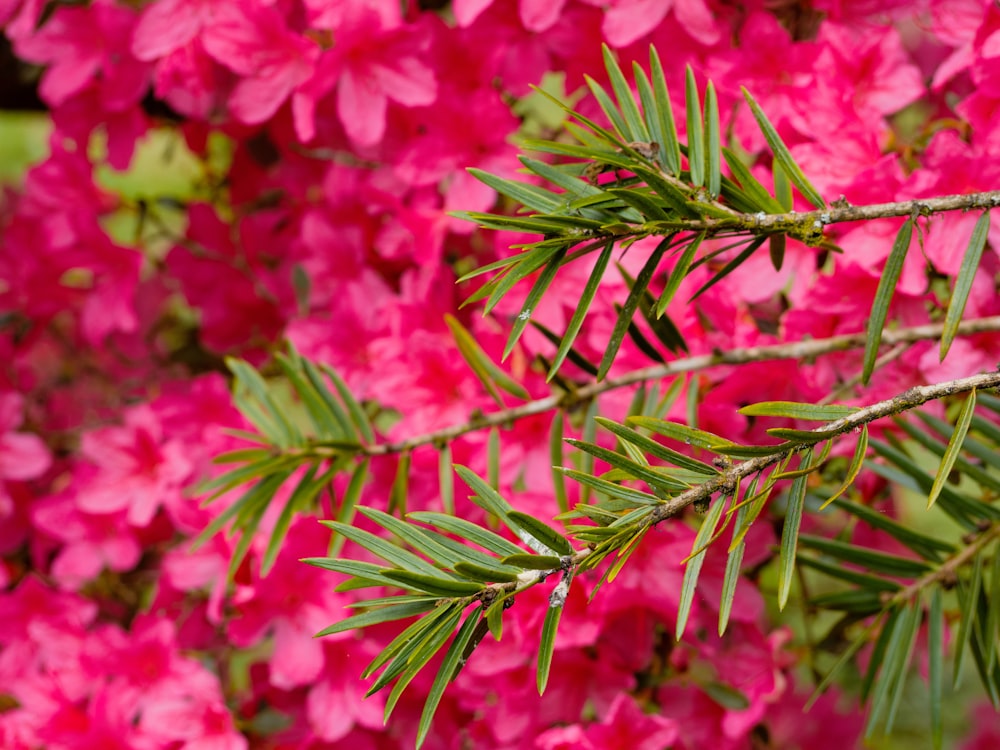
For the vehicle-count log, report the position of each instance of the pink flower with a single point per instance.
(22, 455)
(91, 542)
(627, 21)
(626, 727)
(139, 470)
(293, 603)
(271, 60)
(372, 61)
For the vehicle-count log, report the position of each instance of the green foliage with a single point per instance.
(611, 188)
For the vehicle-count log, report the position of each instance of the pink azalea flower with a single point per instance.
(626, 727)
(627, 21)
(22, 455)
(91, 542)
(139, 470)
(293, 603)
(373, 60)
(535, 15)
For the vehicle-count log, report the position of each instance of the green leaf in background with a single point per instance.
(446, 479)
(678, 274)
(963, 282)
(782, 155)
(935, 667)
(531, 302)
(883, 296)
(968, 598)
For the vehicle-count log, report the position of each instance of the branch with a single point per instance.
(794, 350)
(729, 478)
(809, 224)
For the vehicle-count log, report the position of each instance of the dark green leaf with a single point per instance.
(540, 531)
(968, 596)
(384, 549)
(878, 562)
(654, 448)
(608, 107)
(730, 267)
(433, 584)
(538, 289)
(532, 562)
(611, 489)
(935, 671)
(497, 573)
(754, 191)
(655, 479)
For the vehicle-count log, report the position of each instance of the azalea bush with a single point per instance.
(627, 442)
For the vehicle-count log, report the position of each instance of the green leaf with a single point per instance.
(384, 549)
(547, 644)
(250, 380)
(752, 188)
(928, 547)
(531, 196)
(889, 688)
(244, 507)
(486, 497)
(531, 302)
(883, 296)
(782, 155)
(497, 573)
(610, 110)
(963, 282)
(734, 563)
(452, 662)
(693, 568)
(556, 432)
(713, 144)
(954, 447)
(629, 308)
(383, 614)
(433, 584)
(935, 670)
(334, 410)
(302, 496)
(857, 461)
(418, 658)
(423, 541)
(878, 562)
(404, 644)
(488, 373)
(993, 612)
(790, 531)
(654, 448)
(469, 531)
(669, 145)
(349, 502)
(532, 562)
(682, 434)
(325, 422)
(446, 479)
(678, 274)
(730, 266)
(655, 479)
(550, 538)
(968, 597)
(861, 580)
(636, 128)
(400, 484)
(611, 489)
(793, 410)
(580, 313)
(695, 132)
(782, 188)
(671, 194)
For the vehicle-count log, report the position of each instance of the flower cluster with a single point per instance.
(222, 175)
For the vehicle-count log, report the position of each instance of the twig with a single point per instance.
(793, 350)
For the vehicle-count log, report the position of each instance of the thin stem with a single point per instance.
(795, 350)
